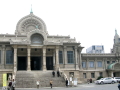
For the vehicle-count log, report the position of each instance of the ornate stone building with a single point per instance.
(31, 49)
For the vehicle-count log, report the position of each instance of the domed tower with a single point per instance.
(29, 23)
(116, 38)
(33, 28)
(116, 45)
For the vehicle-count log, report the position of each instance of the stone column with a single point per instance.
(76, 61)
(105, 61)
(103, 64)
(28, 59)
(54, 59)
(95, 63)
(3, 57)
(44, 58)
(15, 60)
(111, 73)
(87, 63)
(65, 56)
(57, 59)
(80, 59)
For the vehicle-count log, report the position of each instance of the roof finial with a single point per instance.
(115, 31)
(31, 9)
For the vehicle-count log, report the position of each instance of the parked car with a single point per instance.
(116, 79)
(105, 80)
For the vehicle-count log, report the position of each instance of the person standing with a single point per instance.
(13, 84)
(51, 82)
(10, 85)
(66, 82)
(119, 85)
(37, 83)
(58, 74)
(53, 73)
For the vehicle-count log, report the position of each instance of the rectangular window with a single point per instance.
(84, 75)
(60, 57)
(84, 64)
(99, 63)
(93, 47)
(113, 61)
(92, 75)
(70, 56)
(0, 56)
(100, 74)
(9, 57)
(108, 62)
(91, 64)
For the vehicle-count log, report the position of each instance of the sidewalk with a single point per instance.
(79, 85)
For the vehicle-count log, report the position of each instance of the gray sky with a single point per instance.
(91, 22)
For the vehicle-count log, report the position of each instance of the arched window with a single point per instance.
(37, 39)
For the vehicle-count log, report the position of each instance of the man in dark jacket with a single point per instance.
(58, 73)
(53, 73)
(66, 82)
(119, 85)
(10, 85)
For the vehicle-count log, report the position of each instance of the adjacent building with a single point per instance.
(95, 49)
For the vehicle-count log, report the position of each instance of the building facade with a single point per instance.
(31, 48)
(95, 49)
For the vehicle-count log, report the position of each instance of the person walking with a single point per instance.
(53, 73)
(119, 85)
(37, 83)
(51, 82)
(66, 82)
(13, 84)
(10, 85)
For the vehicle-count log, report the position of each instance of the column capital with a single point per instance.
(80, 48)
(65, 47)
(28, 47)
(3, 46)
(15, 46)
(44, 47)
(57, 47)
(76, 47)
(95, 58)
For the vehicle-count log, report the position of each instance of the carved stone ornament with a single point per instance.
(29, 25)
(117, 66)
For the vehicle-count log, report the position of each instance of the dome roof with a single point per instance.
(29, 23)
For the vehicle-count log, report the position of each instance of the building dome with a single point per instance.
(29, 23)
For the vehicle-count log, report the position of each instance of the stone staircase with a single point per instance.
(27, 79)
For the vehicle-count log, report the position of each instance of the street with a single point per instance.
(79, 87)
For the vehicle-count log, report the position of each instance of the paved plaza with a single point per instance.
(79, 87)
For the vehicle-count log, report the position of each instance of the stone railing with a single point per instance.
(62, 74)
(96, 54)
(14, 73)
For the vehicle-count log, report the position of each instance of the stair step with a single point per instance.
(27, 79)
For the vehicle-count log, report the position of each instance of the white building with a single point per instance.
(32, 54)
(95, 49)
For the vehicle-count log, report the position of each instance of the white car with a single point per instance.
(105, 80)
(116, 79)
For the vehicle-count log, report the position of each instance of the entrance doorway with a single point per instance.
(49, 63)
(36, 63)
(22, 63)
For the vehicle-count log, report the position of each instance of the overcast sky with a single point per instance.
(91, 22)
